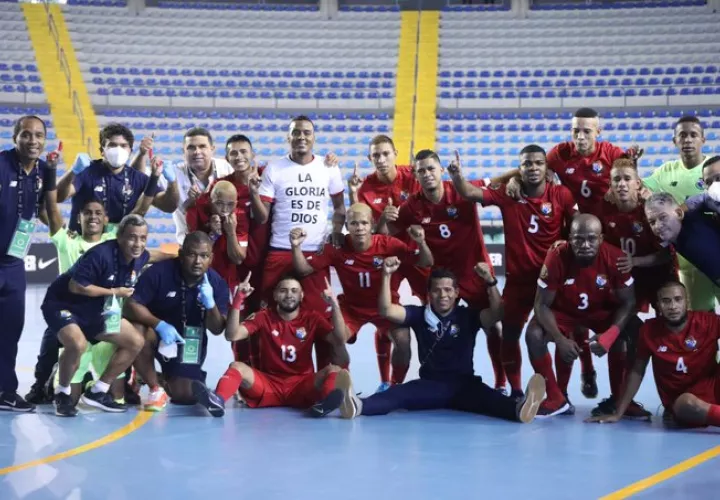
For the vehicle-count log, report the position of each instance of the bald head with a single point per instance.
(586, 222)
(585, 238)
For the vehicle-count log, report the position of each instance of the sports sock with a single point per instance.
(228, 384)
(100, 386)
(713, 416)
(616, 370)
(563, 370)
(494, 346)
(398, 373)
(383, 348)
(512, 362)
(543, 366)
(586, 361)
(64, 390)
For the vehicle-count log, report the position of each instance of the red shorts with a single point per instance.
(473, 291)
(417, 279)
(278, 264)
(356, 317)
(568, 325)
(518, 302)
(294, 391)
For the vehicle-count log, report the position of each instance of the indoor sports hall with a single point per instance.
(480, 77)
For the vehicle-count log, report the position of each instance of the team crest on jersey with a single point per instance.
(404, 195)
(133, 277)
(301, 333)
(546, 208)
(637, 227)
(597, 167)
(700, 184)
(275, 333)
(378, 261)
(601, 280)
(452, 211)
(454, 330)
(691, 343)
(611, 224)
(127, 190)
(65, 314)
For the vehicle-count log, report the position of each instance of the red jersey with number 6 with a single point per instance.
(587, 177)
(586, 294)
(531, 226)
(683, 361)
(285, 347)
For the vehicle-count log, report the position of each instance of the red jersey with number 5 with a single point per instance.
(452, 229)
(531, 226)
(584, 293)
(376, 194)
(587, 177)
(360, 273)
(683, 361)
(286, 347)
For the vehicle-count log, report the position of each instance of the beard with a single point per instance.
(288, 309)
(682, 319)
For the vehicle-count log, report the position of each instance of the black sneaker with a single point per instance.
(38, 395)
(103, 401)
(606, 407)
(589, 385)
(207, 398)
(328, 405)
(12, 401)
(64, 406)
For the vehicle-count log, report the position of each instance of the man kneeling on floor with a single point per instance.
(446, 341)
(284, 374)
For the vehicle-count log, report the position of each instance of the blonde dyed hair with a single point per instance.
(360, 209)
(223, 187)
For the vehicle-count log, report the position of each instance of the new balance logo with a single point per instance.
(426, 220)
(377, 200)
(662, 348)
(570, 281)
(349, 262)
(171, 294)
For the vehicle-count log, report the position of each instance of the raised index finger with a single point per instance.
(355, 169)
(247, 278)
(327, 284)
(457, 157)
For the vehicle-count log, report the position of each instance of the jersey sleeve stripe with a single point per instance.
(541, 283)
(268, 199)
(630, 281)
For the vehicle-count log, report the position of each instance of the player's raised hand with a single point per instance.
(644, 193)
(569, 350)
(483, 270)
(625, 263)
(417, 233)
(205, 295)
(254, 180)
(194, 193)
(455, 167)
(331, 160)
(53, 158)
(215, 225)
(514, 188)
(604, 419)
(390, 265)
(355, 181)
(245, 286)
(297, 236)
(157, 167)
(123, 292)
(634, 153)
(328, 295)
(595, 346)
(391, 212)
(147, 143)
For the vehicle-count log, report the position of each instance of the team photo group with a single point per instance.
(590, 249)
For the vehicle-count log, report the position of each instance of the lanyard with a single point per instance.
(116, 262)
(192, 176)
(183, 305)
(439, 335)
(125, 192)
(21, 190)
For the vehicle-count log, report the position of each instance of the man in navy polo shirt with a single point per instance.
(84, 305)
(110, 179)
(178, 299)
(446, 342)
(24, 179)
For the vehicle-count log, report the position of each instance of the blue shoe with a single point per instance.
(383, 387)
(207, 398)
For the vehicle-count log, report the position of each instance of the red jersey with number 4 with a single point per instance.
(286, 347)
(452, 229)
(360, 273)
(683, 361)
(631, 232)
(531, 226)
(587, 177)
(584, 293)
(376, 194)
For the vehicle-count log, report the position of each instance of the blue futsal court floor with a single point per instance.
(280, 454)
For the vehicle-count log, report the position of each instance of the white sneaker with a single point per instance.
(351, 406)
(157, 400)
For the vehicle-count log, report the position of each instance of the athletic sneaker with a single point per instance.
(528, 406)
(328, 405)
(38, 395)
(64, 406)
(383, 387)
(637, 411)
(12, 401)
(157, 400)
(517, 395)
(605, 407)
(208, 399)
(589, 385)
(550, 408)
(351, 405)
(102, 401)
(502, 390)
(571, 407)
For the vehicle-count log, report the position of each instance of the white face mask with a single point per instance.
(117, 156)
(714, 191)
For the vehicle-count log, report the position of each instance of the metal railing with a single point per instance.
(65, 66)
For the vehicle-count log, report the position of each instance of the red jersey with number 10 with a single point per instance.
(285, 347)
(531, 226)
(683, 361)
(584, 293)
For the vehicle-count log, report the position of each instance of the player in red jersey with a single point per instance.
(453, 233)
(683, 346)
(532, 225)
(284, 374)
(579, 286)
(359, 267)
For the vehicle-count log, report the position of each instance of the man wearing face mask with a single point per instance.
(121, 189)
(24, 181)
(194, 176)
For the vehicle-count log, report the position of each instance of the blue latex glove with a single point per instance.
(702, 201)
(82, 161)
(169, 172)
(168, 334)
(206, 294)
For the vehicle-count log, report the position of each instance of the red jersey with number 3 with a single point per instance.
(584, 293)
(360, 273)
(531, 226)
(587, 177)
(630, 231)
(286, 347)
(452, 229)
(376, 194)
(683, 361)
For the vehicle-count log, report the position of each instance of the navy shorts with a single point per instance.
(58, 318)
